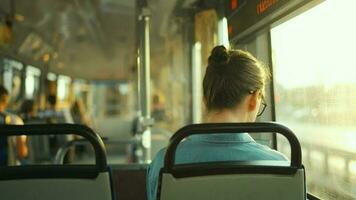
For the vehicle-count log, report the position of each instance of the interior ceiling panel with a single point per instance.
(92, 39)
(188, 3)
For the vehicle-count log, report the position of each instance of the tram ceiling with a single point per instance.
(93, 39)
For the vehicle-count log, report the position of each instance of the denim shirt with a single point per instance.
(210, 148)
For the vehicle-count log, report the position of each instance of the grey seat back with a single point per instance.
(129, 181)
(70, 182)
(255, 180)
(57, 187)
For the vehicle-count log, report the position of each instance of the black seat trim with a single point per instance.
(62, 129)
(49, 172)
(232, 167)
(233, 128)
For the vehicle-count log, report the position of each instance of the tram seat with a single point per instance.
(238, 180)
(55, 182)
(129, 181)
(43, 183)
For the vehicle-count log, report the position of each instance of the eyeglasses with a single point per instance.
(262, 107)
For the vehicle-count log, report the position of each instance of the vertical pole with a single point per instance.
(140, 59)
(189, 38)
(139, 101)
(146, 136)
(144, 82)
(23, 82)
(223, 35)
(272, 94)
(146, 68)
(136, 154)
(196, 83)
(196, 71)
(43, 86)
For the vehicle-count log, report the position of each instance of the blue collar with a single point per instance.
(223, 138)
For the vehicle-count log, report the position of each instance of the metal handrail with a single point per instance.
(62, 129)
(261, 127)
(63, 150)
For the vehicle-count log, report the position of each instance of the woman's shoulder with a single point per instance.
(269, 153)
(158, 158)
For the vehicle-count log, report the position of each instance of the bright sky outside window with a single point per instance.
(323, 39)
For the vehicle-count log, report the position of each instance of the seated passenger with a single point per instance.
(233, 92)
(79, 113)
(55, 115)
(12, 149)
(28, 110)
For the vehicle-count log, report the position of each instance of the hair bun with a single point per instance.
(219, 55)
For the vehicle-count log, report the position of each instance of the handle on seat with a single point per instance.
(211, 128)
(63, 150)
(62, 129)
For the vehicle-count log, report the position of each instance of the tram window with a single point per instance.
(32, 81)
(113, 99)
(8, 70)
(8, 78)
(13, 63)
(12, 78)
(63, 87)
(315, 93)
(51, 77)
(78, 86)
(82, 92)
(113, 108)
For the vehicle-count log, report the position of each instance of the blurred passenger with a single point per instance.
(158, 109)
(28, 110)
(52, 102)
(12, 149)
(79, 114)
(133, 150)
(38, 144)
(233, 89)
(51, 110)
(53, 115)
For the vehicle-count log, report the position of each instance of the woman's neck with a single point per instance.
(226, 116)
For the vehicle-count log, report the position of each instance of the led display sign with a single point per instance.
(248, 16)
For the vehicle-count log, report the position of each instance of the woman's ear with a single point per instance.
(253, 101)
